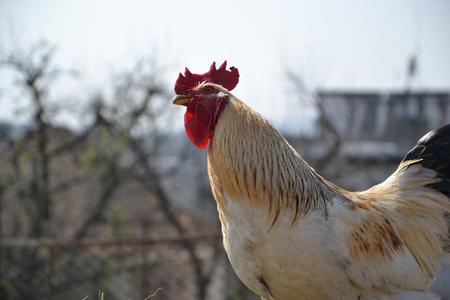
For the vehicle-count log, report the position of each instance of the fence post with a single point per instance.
(144, 270)
(1, 238)
(50, 272)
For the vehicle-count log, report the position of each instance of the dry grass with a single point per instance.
(101, 295)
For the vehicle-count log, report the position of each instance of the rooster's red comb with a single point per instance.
(227, 79)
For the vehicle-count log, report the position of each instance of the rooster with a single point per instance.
(291, 234)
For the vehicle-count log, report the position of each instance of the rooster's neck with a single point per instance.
(249, 160)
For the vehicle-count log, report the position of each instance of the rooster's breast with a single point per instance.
(285, 262)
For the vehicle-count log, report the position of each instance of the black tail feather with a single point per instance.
(433, 152)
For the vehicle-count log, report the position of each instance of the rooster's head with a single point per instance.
(205, 95)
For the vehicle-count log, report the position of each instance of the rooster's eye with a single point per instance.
(208, 90)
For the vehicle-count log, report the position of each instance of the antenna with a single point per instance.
(413, 67)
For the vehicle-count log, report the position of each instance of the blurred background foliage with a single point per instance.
(93, 208)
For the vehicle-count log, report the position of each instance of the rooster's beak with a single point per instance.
(182, 100)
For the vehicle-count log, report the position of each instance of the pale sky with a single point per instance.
(344, 44)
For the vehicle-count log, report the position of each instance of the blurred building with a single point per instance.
(391, 121)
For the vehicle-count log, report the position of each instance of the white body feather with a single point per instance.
(310, 257)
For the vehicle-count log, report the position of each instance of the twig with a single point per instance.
(157, 290)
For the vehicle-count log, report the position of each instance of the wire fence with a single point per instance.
(132, 269)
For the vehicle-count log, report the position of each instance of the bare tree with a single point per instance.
(58, 184)
(144, 123)
(35, 73)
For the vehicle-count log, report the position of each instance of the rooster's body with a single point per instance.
(290, 234)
